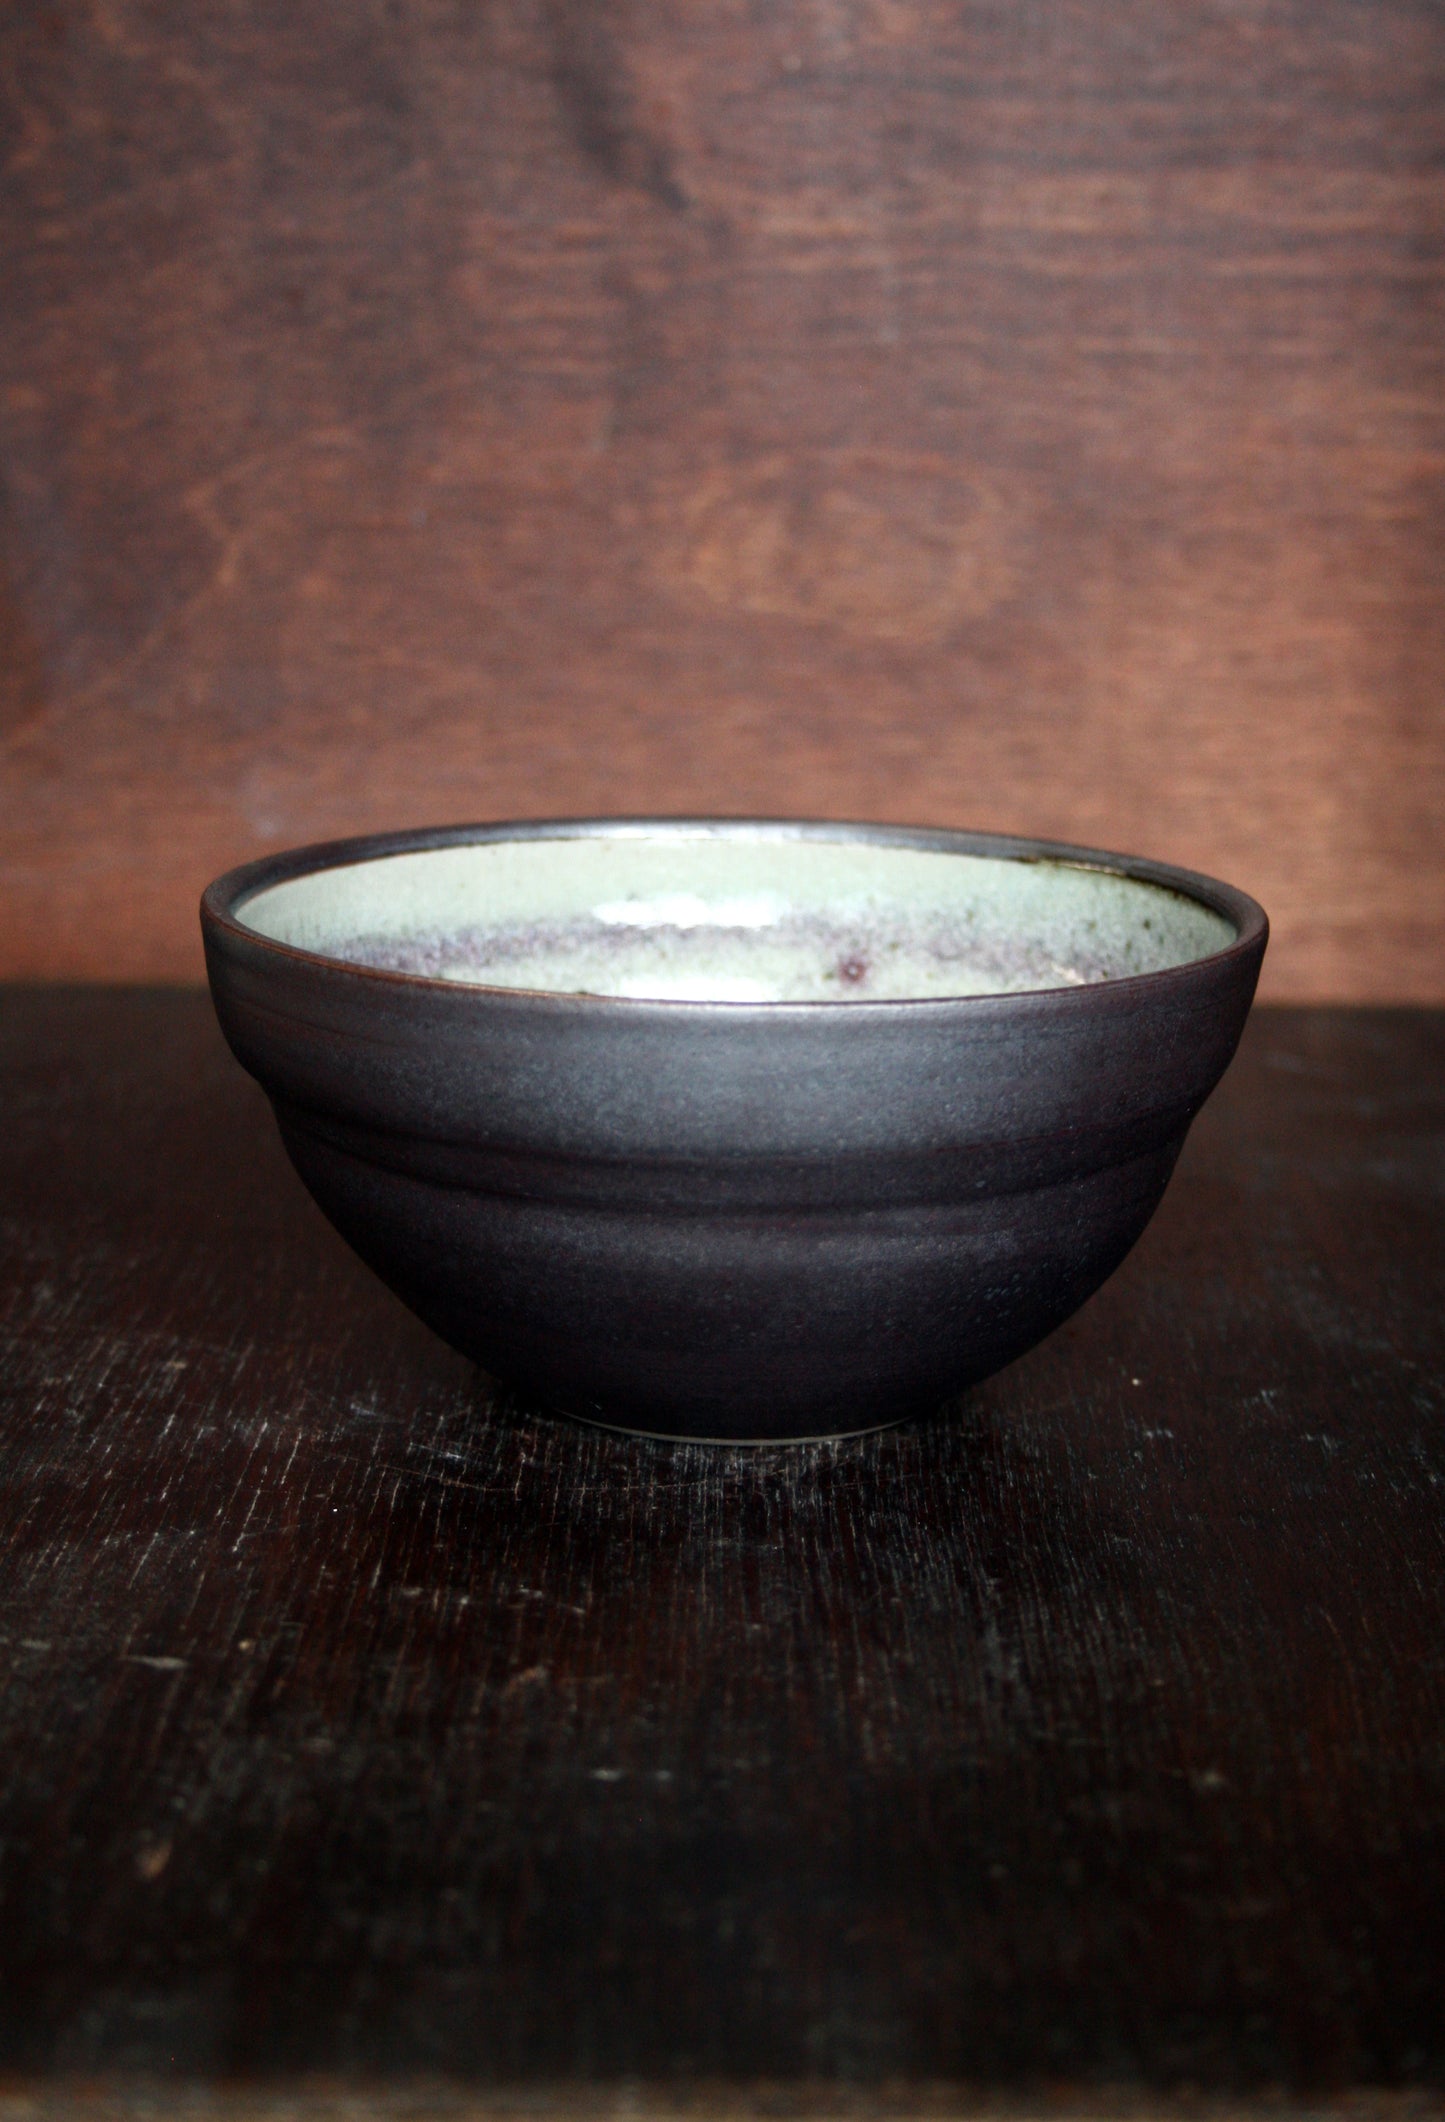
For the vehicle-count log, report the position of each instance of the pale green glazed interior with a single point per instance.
(740, 917)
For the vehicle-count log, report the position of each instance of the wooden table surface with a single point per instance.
(359, 1722)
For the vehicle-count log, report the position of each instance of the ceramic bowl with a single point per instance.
(732, 1129)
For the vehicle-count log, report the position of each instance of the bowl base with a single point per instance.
(687, 1436)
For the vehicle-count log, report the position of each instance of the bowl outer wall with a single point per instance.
(723, 1220)
(873, 1100)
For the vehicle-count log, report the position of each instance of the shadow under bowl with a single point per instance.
(729, 1128)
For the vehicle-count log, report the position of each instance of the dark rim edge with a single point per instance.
(235, 887)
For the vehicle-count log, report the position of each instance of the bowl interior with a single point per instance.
(741, 917)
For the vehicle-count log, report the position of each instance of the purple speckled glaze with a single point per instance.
(855, 961)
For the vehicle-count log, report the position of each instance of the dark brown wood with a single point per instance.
(358, 1721)
(981, 414)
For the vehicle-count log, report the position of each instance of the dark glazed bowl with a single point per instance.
(732, 1218)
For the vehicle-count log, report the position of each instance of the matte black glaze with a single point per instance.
(666, 1215)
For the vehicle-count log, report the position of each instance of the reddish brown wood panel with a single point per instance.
(990, 413)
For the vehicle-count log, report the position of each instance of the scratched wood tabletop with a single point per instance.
(358, 1721)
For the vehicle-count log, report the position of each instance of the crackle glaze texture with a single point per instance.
(659, 1213)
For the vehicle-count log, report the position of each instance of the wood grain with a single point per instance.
(982, 414)
(359, 1721)
(137, 2098)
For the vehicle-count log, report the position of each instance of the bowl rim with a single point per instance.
(228, 893)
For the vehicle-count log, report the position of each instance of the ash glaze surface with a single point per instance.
(748, 919)
(711, 1215)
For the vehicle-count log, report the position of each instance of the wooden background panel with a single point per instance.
(1018, 415)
